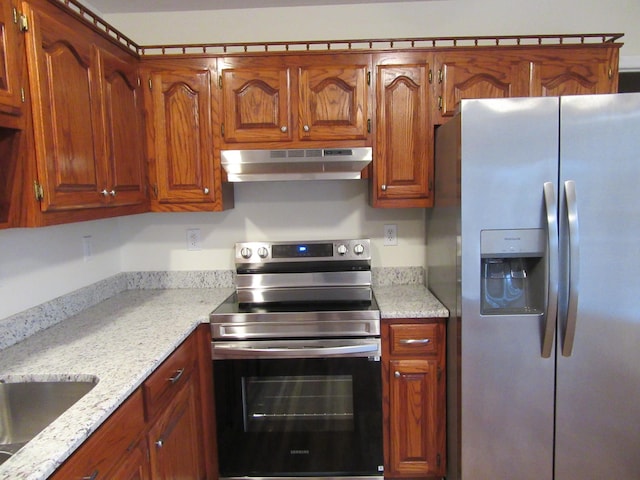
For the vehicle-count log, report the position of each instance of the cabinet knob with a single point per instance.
(283, 129)
(104, 192)
(112, 193)
(383, 188)
(206, 190)
(159, 443)
(93, 476)
(306, 128)
(397, 374)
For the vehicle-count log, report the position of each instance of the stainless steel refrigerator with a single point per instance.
(534, 246)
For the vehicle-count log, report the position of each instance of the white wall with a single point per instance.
(37, 265)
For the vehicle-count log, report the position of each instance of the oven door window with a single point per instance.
(319, 417)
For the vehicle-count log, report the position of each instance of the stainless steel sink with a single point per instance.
(26, 408)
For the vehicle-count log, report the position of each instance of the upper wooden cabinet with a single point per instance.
(293, 100)
(185, 175)
(87, 117)
(477, 74)
(10, 60)
(403, 163)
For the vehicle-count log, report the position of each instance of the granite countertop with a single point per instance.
(119, 342)
(408, 301)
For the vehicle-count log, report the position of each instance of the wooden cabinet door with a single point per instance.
(66, 113)
(181, 137)
(10, 97)
(256, 104)
(575, 71)
(124, 135)
(477, 75)
(414, 404)
(135, 465)
(403, 171)
(175, 440)
(333, 101)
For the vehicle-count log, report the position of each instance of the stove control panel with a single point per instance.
(316, 251)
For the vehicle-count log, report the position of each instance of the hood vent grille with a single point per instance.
(296, 164)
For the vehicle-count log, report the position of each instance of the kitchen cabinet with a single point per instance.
(478, 74)
(163, 431)
(403, 168)
(87, 117)
(118, 446)
(172, 405)
(414, 409)
(293, 100)
(10, 60)
(184, 173)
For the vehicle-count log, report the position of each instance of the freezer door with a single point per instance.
(509, 150)
(598, 375)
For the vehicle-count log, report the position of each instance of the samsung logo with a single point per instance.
(299, 452)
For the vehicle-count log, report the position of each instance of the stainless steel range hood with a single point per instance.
(295, 164)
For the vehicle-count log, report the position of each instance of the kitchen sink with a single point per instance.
(26, 408)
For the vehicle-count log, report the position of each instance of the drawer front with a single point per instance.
(108, 445)
(414, 339)
(168, 379)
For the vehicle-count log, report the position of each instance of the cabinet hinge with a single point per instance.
(439, 373)
(440, 76)
(369, 78)
(150, 84)
(430, 76)
(440, 102)
(368, 125)
(23, 95)
(155, 189)
(23, 22)
(38, 191)
(219, 81)
(222, 129)
(438, 459)
(610, 73)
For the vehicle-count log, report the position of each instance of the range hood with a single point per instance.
(295, 164)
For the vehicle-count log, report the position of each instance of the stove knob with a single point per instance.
(358, 249)
(342, 249)
(263, 252)
(246, 252)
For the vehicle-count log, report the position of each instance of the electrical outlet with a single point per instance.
(193, 239)
(87, 248)
(391, 235)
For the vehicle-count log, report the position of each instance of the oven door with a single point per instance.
(299, 408)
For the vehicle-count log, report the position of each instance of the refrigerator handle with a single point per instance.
(552, 259)
(574, 257)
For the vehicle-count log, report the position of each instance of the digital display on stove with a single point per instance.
(296, 250)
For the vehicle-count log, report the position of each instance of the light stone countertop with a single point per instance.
(408, 301)
(119, 341)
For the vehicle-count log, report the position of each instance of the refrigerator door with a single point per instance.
(509, 150)
(598, 376)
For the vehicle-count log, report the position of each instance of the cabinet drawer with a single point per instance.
(108, 445)
(414, 339)
(167, 380)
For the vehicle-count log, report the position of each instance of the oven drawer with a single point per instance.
(414, 339)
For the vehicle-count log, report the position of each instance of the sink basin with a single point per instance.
(26, 408)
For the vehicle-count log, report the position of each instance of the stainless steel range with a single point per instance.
(296, 354)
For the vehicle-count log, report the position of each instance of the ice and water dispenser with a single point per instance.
(513, 276)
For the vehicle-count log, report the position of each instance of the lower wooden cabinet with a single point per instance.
(163, 431)
(414, 405)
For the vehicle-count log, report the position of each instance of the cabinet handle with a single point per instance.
(93, 476)
(206, 190)
(283, 129)
(177, 376)
(112, 193)
(306, 128)
(415, 341)
(104, 192)
(397, 374)
(383, 188)
(159, 443)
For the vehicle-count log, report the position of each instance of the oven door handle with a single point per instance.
(236, 351)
